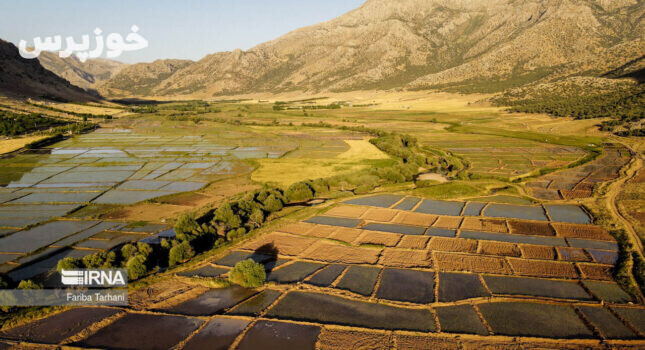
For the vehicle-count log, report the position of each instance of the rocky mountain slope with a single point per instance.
(21, 77)
(140, 79)
(82, 74)
(468, 45)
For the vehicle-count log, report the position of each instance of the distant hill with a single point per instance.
(21, 77)
(461, 45)
(140, 79)
(82, 74)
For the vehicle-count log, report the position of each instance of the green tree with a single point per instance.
(299, 192)
(29, 284)
(256, 218)
(180, 253)
(273, 204)
(144, 249)
(128, 251)
(248, 273)
(226, 215)
(136, 267)
(186, 224)
(68, 263)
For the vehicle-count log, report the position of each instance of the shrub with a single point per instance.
(165, 244)
(186, 224)
(68, 263)
(234, 234)
(180, 253)
(226, 215)
(273, 204)
(299, 192)
(128, 251)
(144, 249)
(29, 284)
(248, 273)
(136, 267)
(425, 183)
(99, 260)
(256, 218)
(319, 186)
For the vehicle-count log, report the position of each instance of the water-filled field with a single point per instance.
(117, 167)
(106, 167)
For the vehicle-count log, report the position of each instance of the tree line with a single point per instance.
(625, 106)
(14, 124)
(236, 218)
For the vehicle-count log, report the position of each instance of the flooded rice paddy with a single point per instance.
(512, 277)
(108, 167)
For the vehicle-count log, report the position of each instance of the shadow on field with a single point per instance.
(268, 254)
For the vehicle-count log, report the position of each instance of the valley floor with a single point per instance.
(521, 246)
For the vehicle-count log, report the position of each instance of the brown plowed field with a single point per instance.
(530, 228)
(347, 235)
(379, 238)
(335, 253)
(414, 242)
(451, 222)
(396, 257)
(286, 244)
(347, 211)
(498, 248)
(453, 244)
(539, 268)
(471, 263)
(414, 219)
(488, 225)
(596, 271)
(537, 252)
(380, 214)
(582, 231)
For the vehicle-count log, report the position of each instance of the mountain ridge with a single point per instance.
(21, 77)
(86, 74)
(455, 45)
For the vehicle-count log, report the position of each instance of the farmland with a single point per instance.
(379, 258)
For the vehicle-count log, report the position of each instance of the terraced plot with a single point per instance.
(375, 275)
(501, 156)
(111, 167)
(106, 167)
(579, 182)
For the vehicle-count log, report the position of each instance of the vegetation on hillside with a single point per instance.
(13, 124)
(625, 105)
(85, 116)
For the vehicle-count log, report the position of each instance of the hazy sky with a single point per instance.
(174, 29)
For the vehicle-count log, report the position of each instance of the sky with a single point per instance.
(188, 29)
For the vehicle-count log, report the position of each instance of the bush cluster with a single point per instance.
(248, 273)
(13, 124)
(624, 105)
(138, 259)
(236, 218)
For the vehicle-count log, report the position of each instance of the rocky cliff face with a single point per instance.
(20, 77)
(140, 79)
(482, 45)
(82, 74)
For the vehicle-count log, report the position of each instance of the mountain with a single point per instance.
(465, 45)
(141, 78)
(82, 74)
(21, 77)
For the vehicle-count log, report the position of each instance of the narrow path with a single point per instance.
(612, 198)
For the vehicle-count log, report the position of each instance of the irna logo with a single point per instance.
(94, 277)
